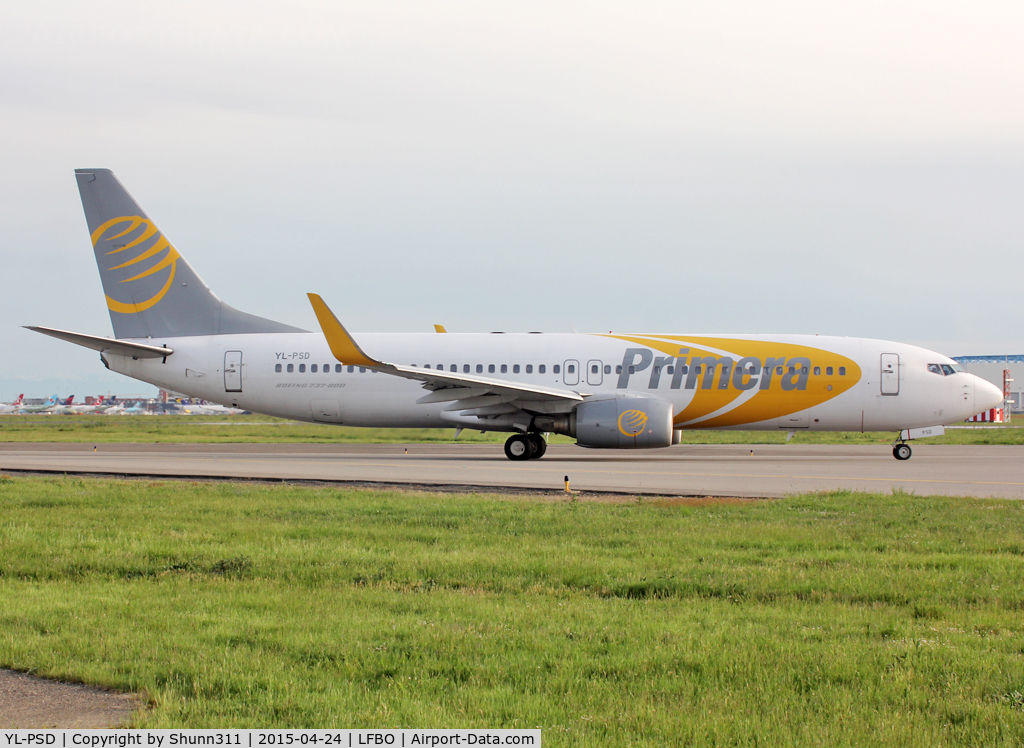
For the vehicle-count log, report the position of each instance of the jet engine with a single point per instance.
(620, 422)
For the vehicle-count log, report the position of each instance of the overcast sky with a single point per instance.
(820, 167)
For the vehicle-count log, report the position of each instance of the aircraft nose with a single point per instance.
(986, 395)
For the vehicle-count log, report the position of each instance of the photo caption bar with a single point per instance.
(261, 738)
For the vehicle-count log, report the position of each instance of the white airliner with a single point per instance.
(48, 407)
(608, 391)
(13, 407)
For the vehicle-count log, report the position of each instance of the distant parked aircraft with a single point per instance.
(48, 407)
(13, 407)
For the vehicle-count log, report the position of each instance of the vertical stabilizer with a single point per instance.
(151, 290)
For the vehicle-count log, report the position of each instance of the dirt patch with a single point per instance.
(30, 702)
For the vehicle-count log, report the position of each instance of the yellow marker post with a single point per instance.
(567, 484)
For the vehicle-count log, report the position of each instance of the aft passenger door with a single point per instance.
(233, 371)
(890, 374)
(594, 374)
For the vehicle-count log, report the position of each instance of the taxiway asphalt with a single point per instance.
(686, 470)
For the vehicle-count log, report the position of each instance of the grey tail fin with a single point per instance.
(152, 292)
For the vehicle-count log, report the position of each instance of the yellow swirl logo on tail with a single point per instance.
(168, 259)
(632, 422)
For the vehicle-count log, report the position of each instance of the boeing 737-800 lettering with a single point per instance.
(606, 391)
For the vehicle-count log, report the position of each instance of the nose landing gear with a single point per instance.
(901, 451)
(525, 447)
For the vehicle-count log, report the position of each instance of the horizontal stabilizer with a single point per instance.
(105, 345)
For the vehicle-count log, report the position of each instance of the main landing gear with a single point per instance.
(525, 447)
(901, 451)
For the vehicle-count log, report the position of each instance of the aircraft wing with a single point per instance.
(481, 395)
(108, 345)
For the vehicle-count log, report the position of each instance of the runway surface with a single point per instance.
(688, 470)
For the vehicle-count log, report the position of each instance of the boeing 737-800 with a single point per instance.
(606, 391)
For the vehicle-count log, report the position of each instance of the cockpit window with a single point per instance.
(945, 370)
(936, 369)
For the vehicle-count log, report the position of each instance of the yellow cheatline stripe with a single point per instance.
(344, 348)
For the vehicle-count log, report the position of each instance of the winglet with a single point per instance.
(344, 348)
(439, 328)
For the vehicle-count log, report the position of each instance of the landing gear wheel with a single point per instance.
(519, 447)
(901, 452)
(539, 446)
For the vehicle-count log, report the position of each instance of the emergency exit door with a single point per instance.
(232, 371)
(890, 374)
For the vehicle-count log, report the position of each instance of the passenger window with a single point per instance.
(490, 368)
(632, 369)
(607, 369)
(792, 370)
(277, 368)
(515, 368)
(541, 368)
(557, 368)
(657, 369)
(351, 369)
(426, 366)
(829, 370)
(529, 368)
(504, 368)
(697, 369)
(570, 369)
(803, 369)
(312, 368)
(594, 369)
(440, 367)
(291, 368)
(465, 368)
(842, 371)
(618, 368)
(302, 368)
(479, 368)
(337, 368)
(778, 371)
(327, 368)
(362, 369)
(817, 371)
(670, 369)
(453, 367)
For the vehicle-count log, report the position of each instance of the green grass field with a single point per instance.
(835, 619)
(255, 428)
